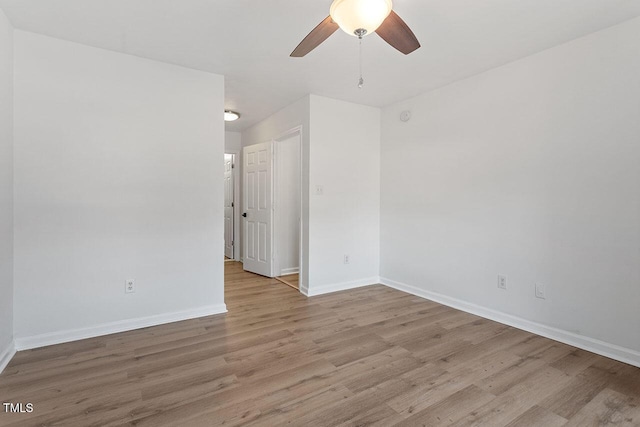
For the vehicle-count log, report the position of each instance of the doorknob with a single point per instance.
(244, 214)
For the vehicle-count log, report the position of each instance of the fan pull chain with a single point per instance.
(361, 80)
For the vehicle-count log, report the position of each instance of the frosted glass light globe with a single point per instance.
(230, 116)
(352, 15)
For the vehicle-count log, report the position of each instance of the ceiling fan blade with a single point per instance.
(315, 37)
(398, 34)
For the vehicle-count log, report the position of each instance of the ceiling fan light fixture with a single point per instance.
(230, 116)
(353, 16)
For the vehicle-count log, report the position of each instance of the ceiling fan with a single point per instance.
(359, 18)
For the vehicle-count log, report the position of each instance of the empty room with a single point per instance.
(320, 213)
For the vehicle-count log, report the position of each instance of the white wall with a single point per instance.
(6, 190)
(287, 175)
(529, 170)
(232, 143)
(118, 175)
(294, 115)
(345, 219)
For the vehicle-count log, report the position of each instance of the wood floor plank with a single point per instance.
(608, 408)
(580, 391)
(538, 417)
(450, 409)
(350, 409)
(298, 407)
(520, 397)
(371, 356)
(429, 386)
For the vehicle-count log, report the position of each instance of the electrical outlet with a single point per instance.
(319, 190)
(541, 291)
(502, 281)
(346, 259)
(129, 286)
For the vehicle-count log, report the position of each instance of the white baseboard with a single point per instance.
(593, 345)
(304, 290)
(327, 289)
(6, 355)
(27, 343)
(287, 271)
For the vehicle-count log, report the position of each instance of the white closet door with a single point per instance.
(258, 212)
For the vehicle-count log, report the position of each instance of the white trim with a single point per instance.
(304, 289)
(288, 271)
(7, 354)
(27, 343)
(593, 345)
(327, 289)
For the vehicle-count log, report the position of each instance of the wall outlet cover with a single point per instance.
(130, 286)
(541, 291)
(502, 281)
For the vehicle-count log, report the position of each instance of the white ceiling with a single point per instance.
(249, 42)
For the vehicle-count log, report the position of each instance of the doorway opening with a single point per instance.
(231, 195)
(272, 208)
(288, 209)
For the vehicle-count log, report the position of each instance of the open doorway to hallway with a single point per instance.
(231, 184)
(287, 197)
(272, 206)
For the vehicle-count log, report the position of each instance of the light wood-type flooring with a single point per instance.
(372, 356)
(292, 280)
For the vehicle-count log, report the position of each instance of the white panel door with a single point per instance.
(258, 214)
(228, 205)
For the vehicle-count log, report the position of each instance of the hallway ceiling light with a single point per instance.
(230, 116)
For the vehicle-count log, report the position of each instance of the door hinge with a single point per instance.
(231, 204)
(233, 165)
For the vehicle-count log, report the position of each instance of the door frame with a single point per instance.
(301, 248)
(236, 203)
(274, 239)
(304, 201)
